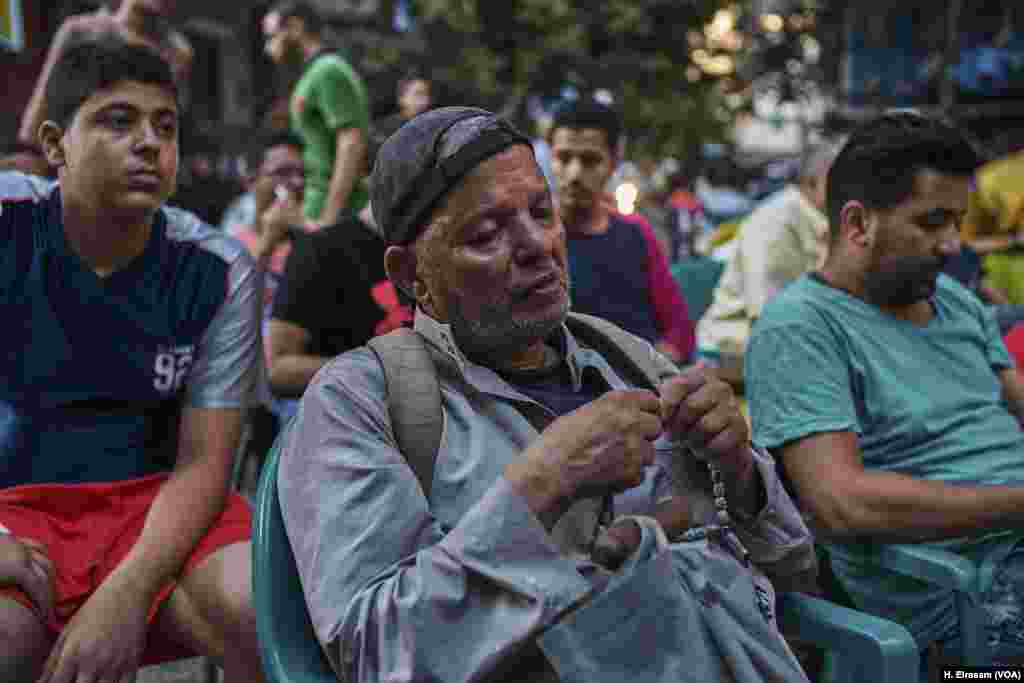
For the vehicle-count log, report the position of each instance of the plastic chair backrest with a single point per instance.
(697, 277)
(288, 644)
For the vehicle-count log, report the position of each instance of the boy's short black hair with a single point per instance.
(256, 151)
(286, 9)
(588, 113)
(90, 66)
(881, 159)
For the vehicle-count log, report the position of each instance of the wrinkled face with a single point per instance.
(493, 260)
(915, 238)
(282, 167)
(581, 162)
(415, 98)
(120, 151)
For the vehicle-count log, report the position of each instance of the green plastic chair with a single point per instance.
(697, 277)
(859, 647)
(945, 569)
(872, 648)
(288, 644)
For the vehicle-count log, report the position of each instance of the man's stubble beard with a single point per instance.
(902, 282)
(497, 332)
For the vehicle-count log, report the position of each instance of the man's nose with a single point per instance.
(573, 169)
(533, 238)
(147, 136)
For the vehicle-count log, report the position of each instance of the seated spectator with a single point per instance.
(994, 225)
(619, 271)
(334, 296)
(886, 391)
(462, 584)
(124, 372)
(276, 184)
(784, 237)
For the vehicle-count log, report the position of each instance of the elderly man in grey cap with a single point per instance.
(465, 575)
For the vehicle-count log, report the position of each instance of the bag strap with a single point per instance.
(414, 399)
(625, 352)
(414, 392)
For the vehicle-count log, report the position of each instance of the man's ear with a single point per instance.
(51, 138)
(400, 266)
(855, 224)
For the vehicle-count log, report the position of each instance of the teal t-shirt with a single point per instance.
(924, 401)
(329, 97)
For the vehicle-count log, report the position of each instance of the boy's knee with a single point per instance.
(228, 585)
(24, 642)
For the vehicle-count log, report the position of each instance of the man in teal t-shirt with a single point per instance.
(329, 109)
(886, 391)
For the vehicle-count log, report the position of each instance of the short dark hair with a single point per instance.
(286, 9)
(881, 159)
(588, 113)
(93, 65)
(256, 151)
(410, 77)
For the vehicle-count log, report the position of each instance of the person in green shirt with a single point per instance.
(329, 110)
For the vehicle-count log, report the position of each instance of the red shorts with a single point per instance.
(88, 529)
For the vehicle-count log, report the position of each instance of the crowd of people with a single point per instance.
(503, 436)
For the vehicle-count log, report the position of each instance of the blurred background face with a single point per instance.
(280, 43)
(282, 166)
(582, 163)
(415, 99)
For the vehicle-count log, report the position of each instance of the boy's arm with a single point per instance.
(189, 502)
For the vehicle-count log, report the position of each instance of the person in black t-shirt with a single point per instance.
(334, 296)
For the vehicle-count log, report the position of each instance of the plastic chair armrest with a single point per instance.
(933, 565)
(882, 649)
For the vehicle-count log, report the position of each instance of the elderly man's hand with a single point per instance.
(600, 448)
(701, 410)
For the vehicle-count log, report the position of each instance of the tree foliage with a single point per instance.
(501, 51)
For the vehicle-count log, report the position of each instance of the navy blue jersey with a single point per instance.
(94, 371)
